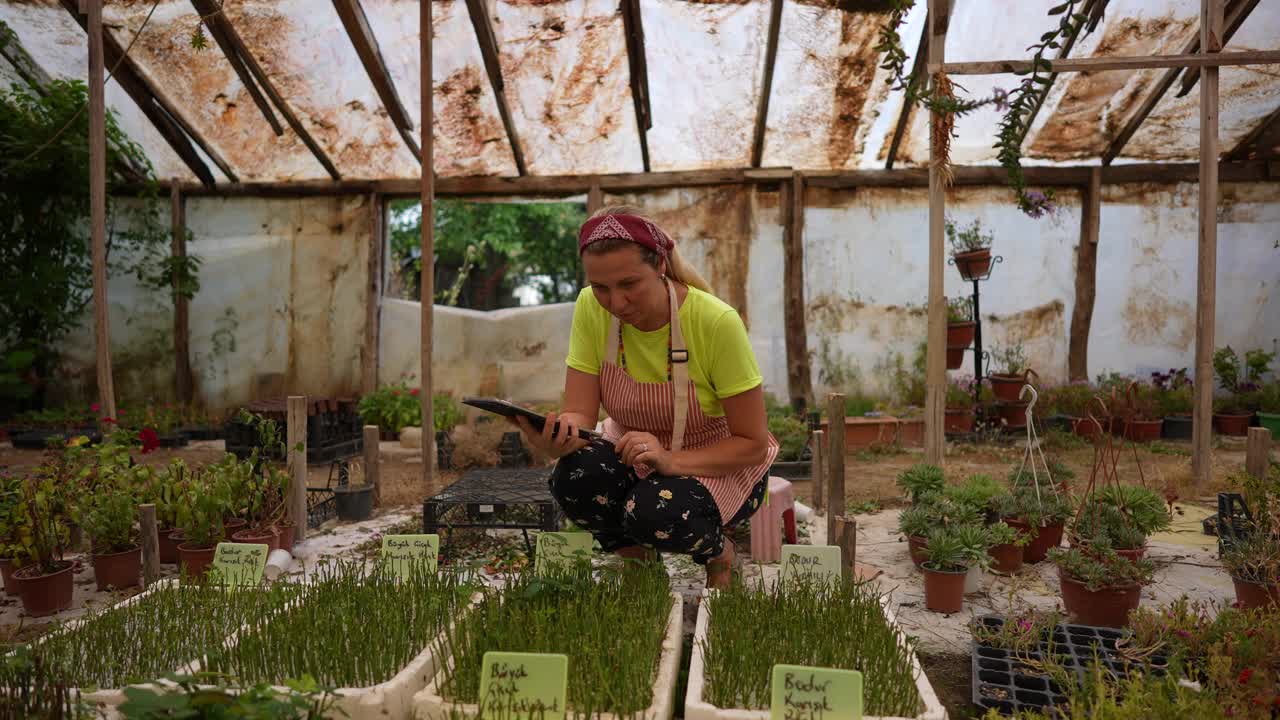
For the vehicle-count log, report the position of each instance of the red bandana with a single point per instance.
(626, 227)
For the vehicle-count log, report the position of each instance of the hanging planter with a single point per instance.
(1014, 414)
(960, 334)
(974, 264)
(118, 570)
(1043, 539)
(955, 357)
(1007, 386)
(45, 594)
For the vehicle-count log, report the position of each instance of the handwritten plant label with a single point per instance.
(404, 553)
(822, 561)
(523, 686)
(561, 548)
(239, 563)
(809, 693)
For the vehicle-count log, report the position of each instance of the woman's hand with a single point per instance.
(641, 447)
(555, 444)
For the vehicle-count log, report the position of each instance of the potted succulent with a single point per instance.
(980, 492)
(1234, 411)
(1006, 548)
(970, 249)
(1253, 561)
(44, 580)
(200, 519)
(915, 523)
(1269, 407)
(1039, 515)
(920, 480)
(1123, 516)
(1142, 418)
(959, 412)
(1174, 401)
(947, 562)
(977, 541)
(934, 510)
(1099, 587)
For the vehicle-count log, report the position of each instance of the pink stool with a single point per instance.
(766, 533)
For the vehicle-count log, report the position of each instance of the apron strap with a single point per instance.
(679, 372)
(614, 339)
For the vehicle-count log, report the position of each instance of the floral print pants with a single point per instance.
(670, 514)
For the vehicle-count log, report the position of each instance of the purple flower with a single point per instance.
(1036, 204)
(1000, 97)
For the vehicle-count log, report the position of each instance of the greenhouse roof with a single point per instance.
(566, 76)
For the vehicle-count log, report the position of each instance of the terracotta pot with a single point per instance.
(1006, 559)
(1007, 387)
(959, 420)
(286, 535)
(863, 432)
(45, 594)
(916, 546)
(1132, 555)
(1255, 595)
(955, 357)
(1042, 539)
(943, 591)
(195, 559)
(118, 570)
(911, 433)
(232, 526)
(960, 334)
(973, 264)
(169, 540)
(1143, 431)
(1108, 607)
(1233, 424)
(270, 538)
(6, 571)
(1087, 428)
(1014, 414)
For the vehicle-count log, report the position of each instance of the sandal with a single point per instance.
(720, 570)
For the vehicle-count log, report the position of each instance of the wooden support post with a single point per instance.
(181, 306)
(98, 208)
(846, 539)
(1086, 278)
(373, 461)
(1211, 22)
(793, 309)
(1257, 455)
(818, 471)
(935, 352)
(595, 199)
(296, 432)
(373, 297)
(835, 463)
(427, 297)
(150, 538)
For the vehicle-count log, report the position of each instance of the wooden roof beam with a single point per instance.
(1237, 11)
(211, 11)
(766, 86)
(353, 17)
(1100, 64)
(1094, 9)
(633, 27)
(904, 115)
(488, 42)
(163, 116)
(1260, 140)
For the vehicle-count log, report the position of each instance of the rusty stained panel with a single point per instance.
(57, 44)
(706, 66)
(567, 83)
(827, 89)
(1246, 95)
(204, 85)
(305, 51)
(976, 34)
(468, 133)
(1086, 111)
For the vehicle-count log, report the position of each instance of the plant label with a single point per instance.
(240, 563)
(810, 693)
(524, 686)
(405, 552)
(555, 548)
(822, 561)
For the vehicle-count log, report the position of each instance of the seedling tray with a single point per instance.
(695, 708)
(1009, 681)
(430, 705)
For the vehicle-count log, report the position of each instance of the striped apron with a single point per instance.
(670, 412)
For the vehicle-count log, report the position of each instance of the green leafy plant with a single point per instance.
(1269, 397)
(792, 435)
(915, 521)
(193, 698)
(947, 551)
(1072, 399)
(1002, 534)
(206, 502)
(794, 622)
(980, 492)
(968, 238)
(1098, 567)
(921, 479)
(1010, 358)
(1103, 524)
(1240, 379)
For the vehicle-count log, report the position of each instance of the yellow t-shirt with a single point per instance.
(721, 362)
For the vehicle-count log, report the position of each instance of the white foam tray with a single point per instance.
(430, 705)
(695, 708)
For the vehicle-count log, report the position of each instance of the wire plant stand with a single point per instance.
(495, 498)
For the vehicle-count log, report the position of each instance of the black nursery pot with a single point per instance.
(1176, 427)
(354, 503)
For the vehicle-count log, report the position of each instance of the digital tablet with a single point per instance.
(502, 407)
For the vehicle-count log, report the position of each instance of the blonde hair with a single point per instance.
(678, 268)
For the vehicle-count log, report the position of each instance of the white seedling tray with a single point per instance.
(697, 709)
(430, 705)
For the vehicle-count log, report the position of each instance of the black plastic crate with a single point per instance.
(512, 498)
(1233, 520)
(1008, 681)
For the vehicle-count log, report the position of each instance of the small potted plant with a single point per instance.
(12, 524)
(980, 492)
(915, 523)
(977, 541)
(1041, 516)
(1253, 562)
(165, 491)
(1174, 401)
(1269, 407)
(947, 562)
(1234, 412)
(1011, 361)
(959, 412)
(45, 579)
(392, 408)
(1006, 548)
(1140, 409)
(1099, 587)
(970, 249)
(921, 479)
(262, 506)
(201, 520)
(106, 513)
(934, 510)
(961, 328)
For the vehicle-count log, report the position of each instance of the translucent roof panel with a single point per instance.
(305, 50)
(568, 85)
(705, 64)
(1085, 111)
(60, 47)
(468, 133)
(205, 86)
(1246, 96)
(826, 87)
